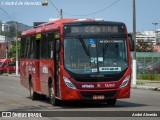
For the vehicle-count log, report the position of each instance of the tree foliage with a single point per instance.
(144, 46)
(12, 52)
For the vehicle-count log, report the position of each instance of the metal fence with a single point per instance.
(148, 62)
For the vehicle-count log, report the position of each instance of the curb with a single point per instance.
(11, 75)
(147, 88)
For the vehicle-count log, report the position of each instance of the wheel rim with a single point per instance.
(51, 94)
(31, 91)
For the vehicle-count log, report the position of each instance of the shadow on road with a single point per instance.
(75, 105)
(98, 104)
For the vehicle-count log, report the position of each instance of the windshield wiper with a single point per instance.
(84, 46)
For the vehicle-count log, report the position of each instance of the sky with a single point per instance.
(147, 11)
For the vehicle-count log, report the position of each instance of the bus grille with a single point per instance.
(89, 95)
(106, 79)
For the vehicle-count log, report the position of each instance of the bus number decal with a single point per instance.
(44, 69)
(104, 69)
(33, 70)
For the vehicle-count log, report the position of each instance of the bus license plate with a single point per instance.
(98, 97)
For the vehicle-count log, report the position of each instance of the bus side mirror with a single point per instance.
(57, 45)
(131, 42)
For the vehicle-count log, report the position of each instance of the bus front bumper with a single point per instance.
(103, 94)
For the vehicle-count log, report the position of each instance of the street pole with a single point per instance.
(61, 14)
(6, 42)
(5, 29)
(155, 32)
(134, 64)
(16, 24)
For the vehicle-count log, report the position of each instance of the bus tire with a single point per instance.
(54, 101)
(33, 95)
(1, 72)
(111, 101)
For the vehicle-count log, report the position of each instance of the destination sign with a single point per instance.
(93, 29)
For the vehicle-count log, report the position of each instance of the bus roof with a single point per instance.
(54, 25)
(47, 26)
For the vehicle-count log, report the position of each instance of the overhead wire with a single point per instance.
(96, 11)
(6, 13)
(54, 6)
(85, 14)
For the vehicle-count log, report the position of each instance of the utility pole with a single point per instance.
(16, 24)
(134, 64)
(155, 31)
(5, 29)
(61, 14)
(6, 42)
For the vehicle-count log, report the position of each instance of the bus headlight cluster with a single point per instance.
(125, 82)
(69, 83)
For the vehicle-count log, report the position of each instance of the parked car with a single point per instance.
(7, 65)
(140, 67)
(153, 68)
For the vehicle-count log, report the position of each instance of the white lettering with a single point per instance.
(34, 115)
(87, 86)
(110, 85)
(136, 114)
(150, 114)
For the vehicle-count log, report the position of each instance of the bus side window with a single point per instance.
(32, 47)
(37, 51)
(43, 46)
(28, 41)
(50, 45)
(22, 47)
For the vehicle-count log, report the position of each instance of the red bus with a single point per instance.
(77, 59)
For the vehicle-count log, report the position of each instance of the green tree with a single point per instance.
(144, 46)
(12, 52)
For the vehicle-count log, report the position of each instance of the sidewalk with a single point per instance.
(141, 84)
(11, 75)
(148, 84)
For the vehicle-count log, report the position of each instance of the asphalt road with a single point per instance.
(14, 97)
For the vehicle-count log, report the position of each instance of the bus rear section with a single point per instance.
(88, 60)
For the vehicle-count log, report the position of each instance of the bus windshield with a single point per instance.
(95, 55)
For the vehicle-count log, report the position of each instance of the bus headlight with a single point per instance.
(125, 82)
(69, 83)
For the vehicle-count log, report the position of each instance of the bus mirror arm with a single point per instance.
(132, 46)
(131, 42)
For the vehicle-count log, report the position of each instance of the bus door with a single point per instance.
(36, 64)
(57, 62)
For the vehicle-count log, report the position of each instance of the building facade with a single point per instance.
(146, 36)
(5, 45)
(158, 36)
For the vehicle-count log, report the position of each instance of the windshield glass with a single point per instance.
(95, 55)
(1, 63)
(12, 63)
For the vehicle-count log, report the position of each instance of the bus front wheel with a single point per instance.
(54, 101)
(1, 72)
(33, 95)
